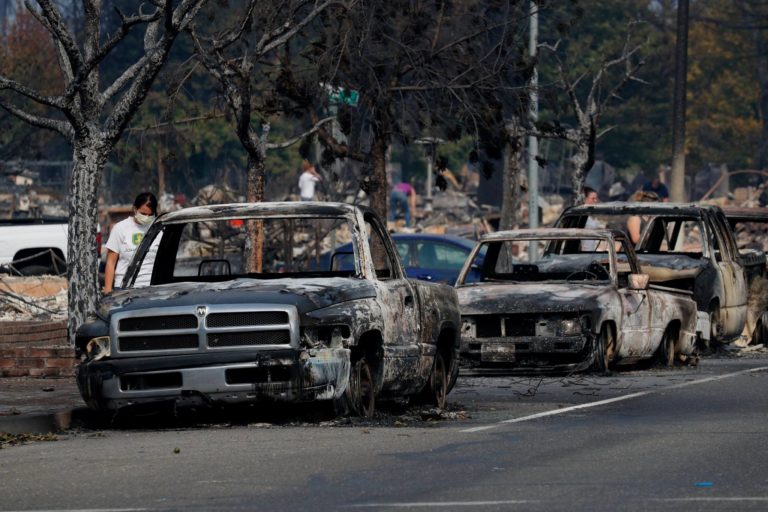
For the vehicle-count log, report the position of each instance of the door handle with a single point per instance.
(408, 300)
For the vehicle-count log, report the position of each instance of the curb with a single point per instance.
(43, 423)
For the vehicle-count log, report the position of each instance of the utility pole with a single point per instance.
(533, 113)
(677, 180)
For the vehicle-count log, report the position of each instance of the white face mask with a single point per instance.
(144, 220)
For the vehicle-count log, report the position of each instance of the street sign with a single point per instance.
(339, 95)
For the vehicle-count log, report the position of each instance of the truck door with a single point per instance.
(733, 307)
(634, 337)
(400, 312)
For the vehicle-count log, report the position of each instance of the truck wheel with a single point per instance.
(359, 399)
(435, 391)
(605, 347)
(715, 332)
(665, 354)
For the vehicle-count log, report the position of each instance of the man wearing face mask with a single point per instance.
(125, 238)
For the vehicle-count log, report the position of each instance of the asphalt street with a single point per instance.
(657, 439)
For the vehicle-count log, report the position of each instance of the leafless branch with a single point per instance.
(294, 140)
(61, 127)
(51, 101)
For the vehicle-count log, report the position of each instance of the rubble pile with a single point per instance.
(42, 298)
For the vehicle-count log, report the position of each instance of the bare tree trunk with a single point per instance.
(376, 182)
(255, 194)
(89, 158)
(511, 181)
(583, 159)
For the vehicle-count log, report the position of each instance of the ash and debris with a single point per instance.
(7, 440)
(40, 298)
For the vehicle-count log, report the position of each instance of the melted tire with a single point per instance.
(604, 345)
(436, 389)
(359, 399)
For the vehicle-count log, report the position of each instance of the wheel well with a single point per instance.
(446, 343)
(610, 324)
(673, 326)
(50, 257)
(371, 346)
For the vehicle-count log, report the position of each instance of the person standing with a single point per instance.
(590, 197)
(125, 238)
(403, 197)
(307, 181)
(658, 188)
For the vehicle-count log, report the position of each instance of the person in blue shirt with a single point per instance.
(656, 186)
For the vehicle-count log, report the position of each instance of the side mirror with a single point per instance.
(639, 281)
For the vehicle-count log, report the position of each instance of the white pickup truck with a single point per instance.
(33, 246)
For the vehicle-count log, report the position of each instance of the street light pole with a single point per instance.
(533, 142)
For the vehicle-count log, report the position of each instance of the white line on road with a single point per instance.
(84, 510)
(427, 504)
(612, 400)
(724, 499)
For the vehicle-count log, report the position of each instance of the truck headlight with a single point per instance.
(569, 327)
(98, 348)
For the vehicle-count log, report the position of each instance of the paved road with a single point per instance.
(688, 439)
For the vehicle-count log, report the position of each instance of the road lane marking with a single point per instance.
(435, 504)
(612, 400)
(84, 510)
(723, 499)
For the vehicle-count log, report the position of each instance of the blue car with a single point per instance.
(424, 256)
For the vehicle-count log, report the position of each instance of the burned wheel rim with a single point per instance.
(605, 349)
(667, 348)
(362, 389)
(439, 381)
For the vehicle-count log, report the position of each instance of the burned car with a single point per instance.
(684, 246)
(568, 300)
(226, 320)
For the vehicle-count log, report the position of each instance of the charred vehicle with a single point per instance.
(750, 228)
(685, 246)
(226, 320)
(568, 300)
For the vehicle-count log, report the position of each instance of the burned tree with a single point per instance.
(419, 69)
(232, 56)
(91, 117)
(588, 102)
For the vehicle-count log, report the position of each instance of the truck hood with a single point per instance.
(499, 298)
(306, 294)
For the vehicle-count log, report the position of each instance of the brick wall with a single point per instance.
(35, 349)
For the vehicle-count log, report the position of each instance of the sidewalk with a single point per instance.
(38, 405)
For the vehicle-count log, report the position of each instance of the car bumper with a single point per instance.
(286, 375)
(529, 353)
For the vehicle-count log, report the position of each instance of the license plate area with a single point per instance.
(497, 352)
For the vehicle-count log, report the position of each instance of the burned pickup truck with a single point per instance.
(217, 325)
(568, 300)
(684, 246)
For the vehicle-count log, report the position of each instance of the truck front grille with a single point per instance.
(165, 342)
(249, 339)
(247, 318)
(158, 323)
(190, 329)
(489, 326)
